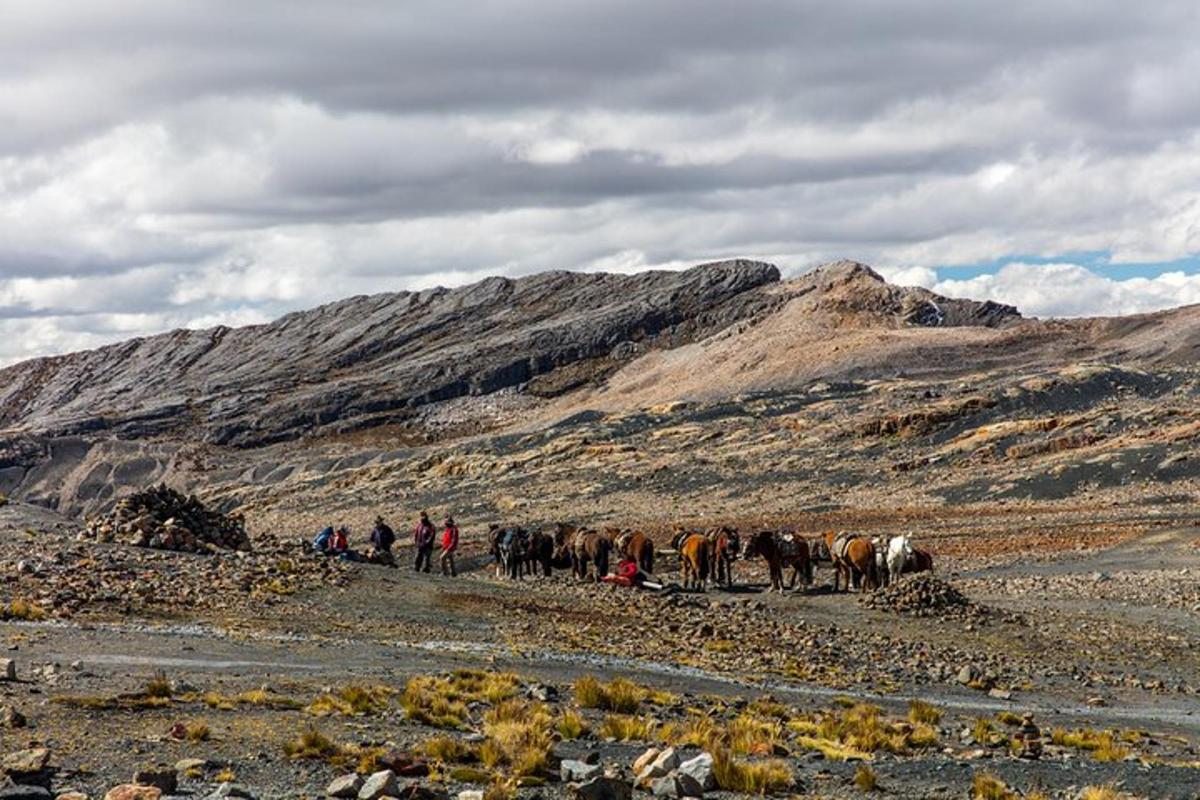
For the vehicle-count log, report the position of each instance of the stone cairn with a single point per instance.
(921, 595)
(164, 519)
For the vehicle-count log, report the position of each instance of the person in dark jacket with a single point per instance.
(423, 536)
(449, 546)
(382, 539)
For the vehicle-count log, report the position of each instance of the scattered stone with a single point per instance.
(700, 768)
(133, 791)
(8, 669)
(72, 796)
(379, 784)
(346, 786)
(471, 794)
(602, 788)
(25, 793)
(226, 790)
(644, 760)
(11, 718)
(161, 777)
(571, 771)
(164, 519)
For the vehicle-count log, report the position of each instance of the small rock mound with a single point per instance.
(165, 519)
(920, 595)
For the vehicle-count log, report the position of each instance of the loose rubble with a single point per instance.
(164, 519)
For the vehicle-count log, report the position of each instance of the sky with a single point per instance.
(169, 163)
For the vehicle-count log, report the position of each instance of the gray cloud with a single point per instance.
(193, 163)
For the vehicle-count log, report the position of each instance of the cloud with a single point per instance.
(187, 163)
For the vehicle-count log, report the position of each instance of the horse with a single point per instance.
(899, 551)
(635, 546)
(920, 561)
(693, 548)
(781, 550)
(539, 550)
(509, 546)
(853, 557)
(723, 547)
(584, 547)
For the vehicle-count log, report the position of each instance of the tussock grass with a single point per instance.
(259, 698)
(986, 786)
(865, 778)
(626, 728)
(124, 702)
(859, 730)
(1008, 718)
(20, 609)
(571, 725)
(197, 731)
(158, 686)
(1102, 793)
(312, 744)
(442, 701)
(747, 734)
(921, 712)
(697, 730)
(832, 750)
(983, 731)
(1101, 744)
(618, 695)
(751, 777)
(470, 775)
(352, 701)
(521, 733)
(449, 750)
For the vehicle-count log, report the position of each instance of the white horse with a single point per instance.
(899, 551)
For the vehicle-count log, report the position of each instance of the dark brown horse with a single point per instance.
(693, 549)
(919, 561)
(853, 558)
(634, 545)
(583, 546)
(779, 551)
(539, 551)
(723, 548)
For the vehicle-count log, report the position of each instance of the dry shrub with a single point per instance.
(24, 610)
(521, 734)
(312, 744)
(697, 730)
(626, 728)
(442, 701)
(618, 695)
(865, 778)
(571, 725)
(921, 712)
(449, 750)
(986, 786)
(352, 701)
(158, 686)
(259, 698)
(751, 777)
(1101, 744)
(197, 731)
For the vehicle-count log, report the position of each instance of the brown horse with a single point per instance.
(583, 546)
(692, 547)
(723, 547)
(781, 551)
(633, 545)
(853, 558)
(919, 561)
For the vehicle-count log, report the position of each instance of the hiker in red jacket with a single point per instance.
(423, 540)
(449, 545)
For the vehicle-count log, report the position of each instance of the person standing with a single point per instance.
(423, 539)
(382, 539)
(449, 546)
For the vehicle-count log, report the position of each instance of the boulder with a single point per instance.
(379, 784)
(133, 791)
(8, 669)
(11, 718)
(417, 791)
(677, 784)
(346, 786)
(71, 796)
(644, 760)
(28, 767)
(471, 794)
(25, 793)
(162, 777)
(700, 768)
(602, 788)
(571, 771)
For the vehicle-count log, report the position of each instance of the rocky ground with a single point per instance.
(217, 673)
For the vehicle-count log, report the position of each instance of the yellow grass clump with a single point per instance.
(520, 733)
(986, 786)
(865, 778)
(311, 743)
(626, 728)
(23, 610)
(751, 777)
(352, 701)
(618, 695)
(921, 712)
(442, 701)
(571, 725)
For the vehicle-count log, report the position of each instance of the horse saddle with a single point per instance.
(622, 541)
(788, 544)
(840, 545)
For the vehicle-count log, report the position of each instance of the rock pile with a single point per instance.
(920, 595)
(164, 519)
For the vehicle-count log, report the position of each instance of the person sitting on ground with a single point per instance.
(449, 545)
(382, 539)
(340, 543)
(628, 573)
(321, 543)
(423, 536)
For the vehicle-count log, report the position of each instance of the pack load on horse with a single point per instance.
(693, 549)
(853, 559)
(782, 549)
(584, 547)
(724, 546)
(634, 545)
(902, 558)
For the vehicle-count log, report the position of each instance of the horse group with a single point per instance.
(708, 555)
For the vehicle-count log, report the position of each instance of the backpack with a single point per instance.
(321, 543)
